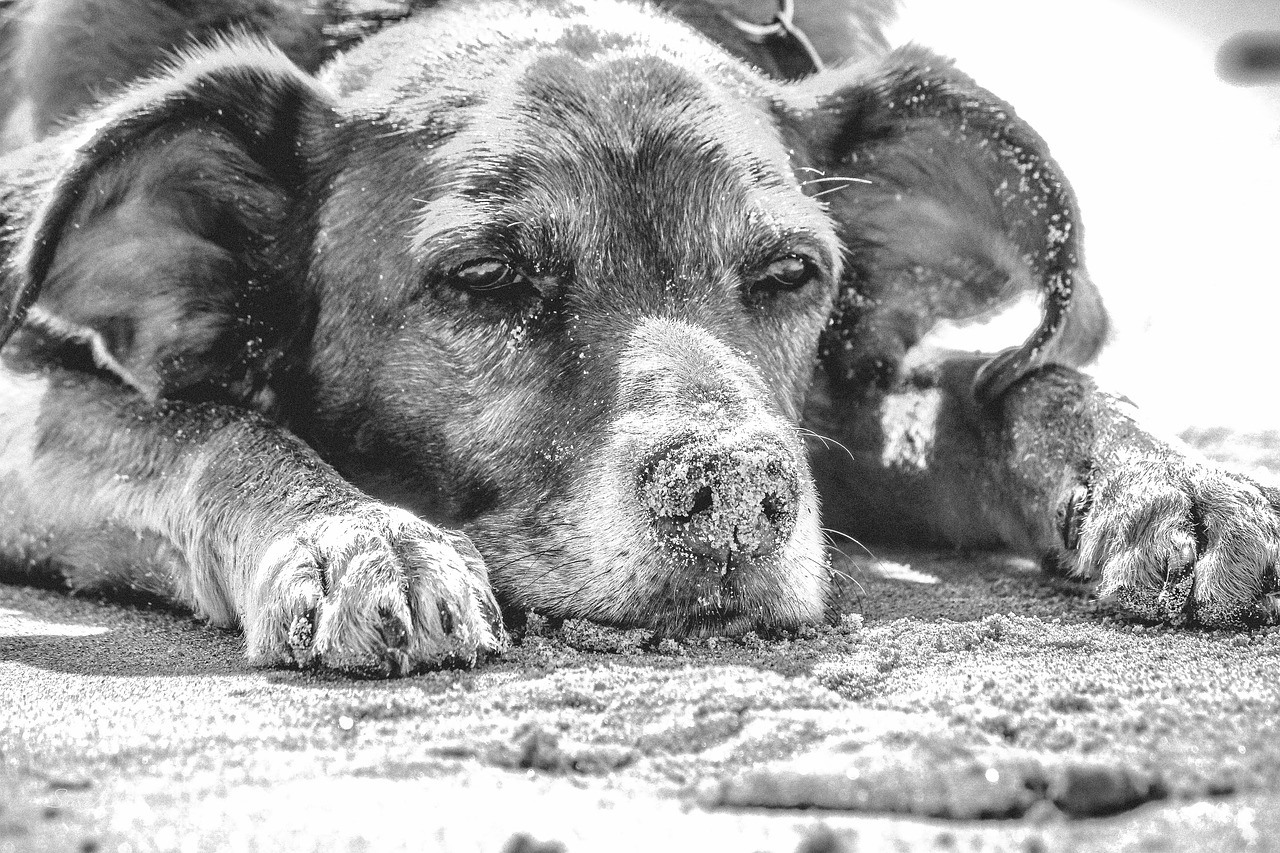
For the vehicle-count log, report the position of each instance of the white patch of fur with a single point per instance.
(890, 570)
(19, 408)
(448, 218)
(102, 356)
(58, 505)
(988, 332)
(19, 126)
(909, 422)
(658, 406)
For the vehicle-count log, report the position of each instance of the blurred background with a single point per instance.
(1177, 172)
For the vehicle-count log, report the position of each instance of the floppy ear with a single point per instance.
(161, 244)
(950, 207)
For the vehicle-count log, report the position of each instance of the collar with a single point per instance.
(790, 48)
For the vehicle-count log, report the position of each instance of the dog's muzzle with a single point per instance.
(699, 507)
(718, 474)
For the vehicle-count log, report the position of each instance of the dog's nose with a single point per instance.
(721, 502)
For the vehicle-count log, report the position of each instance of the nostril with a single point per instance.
(701, 503)
(773, 507)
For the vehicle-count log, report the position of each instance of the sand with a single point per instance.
(964, 702)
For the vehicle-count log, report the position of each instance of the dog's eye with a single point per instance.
(490, 277)
(789, 272)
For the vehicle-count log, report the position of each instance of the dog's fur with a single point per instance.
(576, 281)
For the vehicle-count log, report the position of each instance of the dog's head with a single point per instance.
(561, 281)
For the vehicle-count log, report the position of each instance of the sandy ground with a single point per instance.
(963, 703)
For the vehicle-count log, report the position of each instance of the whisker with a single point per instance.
(398, 131)
(571, 595)
(825, 439)
(829, 532)
(845, 179)
(530, 555)
(862, 590)
(829, 191)
(855, 541)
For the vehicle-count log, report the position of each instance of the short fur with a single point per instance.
(531, 305)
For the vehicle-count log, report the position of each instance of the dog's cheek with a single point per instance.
(783, 344)
(510, 431)
(455, 423)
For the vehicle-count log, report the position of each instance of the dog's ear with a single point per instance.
(950, 206)
(162, 242)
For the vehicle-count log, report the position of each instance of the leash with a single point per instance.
(345, 23)
(790, 48)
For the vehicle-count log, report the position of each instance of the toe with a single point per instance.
(1072, 512)
(302, 637)
(280, 629)
(364, 622)
(1241, 544)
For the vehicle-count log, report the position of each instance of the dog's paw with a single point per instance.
(1174, 540)
(374, 591)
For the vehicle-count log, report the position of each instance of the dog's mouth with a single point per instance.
(713, 598)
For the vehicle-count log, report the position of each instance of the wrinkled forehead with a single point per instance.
(616, 144)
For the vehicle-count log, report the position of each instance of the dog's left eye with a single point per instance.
(789, 272)
(489, 277)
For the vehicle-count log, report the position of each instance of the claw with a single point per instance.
(302, 633)
(493, 616)
(395, 634)
(1175, 594)
(398, 663)
(353, 593)
(1268, 609)
(447, 620)
(1071, 516)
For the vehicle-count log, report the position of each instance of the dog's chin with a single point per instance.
(712, 622)
(724, 618)
(683, 596)
(705, 598)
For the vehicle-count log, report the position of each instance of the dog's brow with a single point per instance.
(444, 220)
(785, 221)
(793, 238)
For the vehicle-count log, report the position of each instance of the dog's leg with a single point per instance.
(952, 207)
(263, 533)
(97, 450)
(1059, 468)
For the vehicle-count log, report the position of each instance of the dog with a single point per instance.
(362, 332)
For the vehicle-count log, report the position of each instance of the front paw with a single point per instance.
(372, 590)
(1175, 540)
